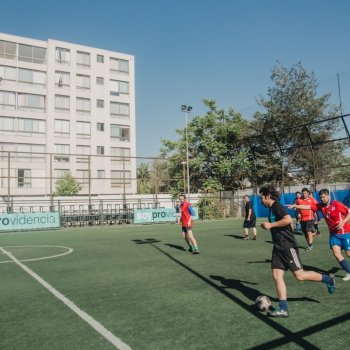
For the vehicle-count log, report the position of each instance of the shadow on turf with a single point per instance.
(333, 270)
(235, 236)
(175, 246)
(288, 337)
(249, 292)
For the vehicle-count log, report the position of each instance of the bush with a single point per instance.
(210, 208)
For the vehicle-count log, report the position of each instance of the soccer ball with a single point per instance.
(263, 302)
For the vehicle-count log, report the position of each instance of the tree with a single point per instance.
(67, 185)
(293, 101)
(143, 177)
(216, 160)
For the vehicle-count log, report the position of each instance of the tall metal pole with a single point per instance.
(186, 109)
(339, 93)
(184, 175)
(187, 164)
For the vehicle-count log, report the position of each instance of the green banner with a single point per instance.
(143, 216)
(29, 221)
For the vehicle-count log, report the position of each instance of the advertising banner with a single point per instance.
(143, 216)
(29, 221)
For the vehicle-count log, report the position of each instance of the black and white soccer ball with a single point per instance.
(263, 302)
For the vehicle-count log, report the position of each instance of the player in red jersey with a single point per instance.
(186, 223)
(307, 217)
(337, 216)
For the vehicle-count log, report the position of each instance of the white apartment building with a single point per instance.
(65, 108)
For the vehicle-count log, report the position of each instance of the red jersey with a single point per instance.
(333, 214)
(307, 214)
(185, 214)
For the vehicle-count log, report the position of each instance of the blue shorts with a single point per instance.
(341, 240)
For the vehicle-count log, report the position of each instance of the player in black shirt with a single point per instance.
(285, 253)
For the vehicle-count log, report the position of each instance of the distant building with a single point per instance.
(65, 108)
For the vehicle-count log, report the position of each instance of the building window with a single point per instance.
(30, 102)
(31, 152)
(8, 50)
(83, 105)
(83, 153)
(100, 174)
(62, 128)
(120, 178)
(8, 100)
(83, 82)
(118, 87)
(24, 178)
(62, 55)
(62, 103)
(62, 79)
(31, 125)
(8, 73)
(121, 110)
(32, 77)
(119, 65)
(32, 54)
(100, 127)
(100, 58)
(84, 129)
(120, 132)
(100, 150)
(7, 124)
(61, 152)
(59, 173)
(83, 59)
(100, 81)
(83, 177)
(120, 155)
(100, 103)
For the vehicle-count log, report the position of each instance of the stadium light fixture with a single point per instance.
(187, 109)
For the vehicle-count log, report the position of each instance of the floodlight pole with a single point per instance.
(187, 109)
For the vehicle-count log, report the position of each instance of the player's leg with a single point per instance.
(254, 233)
(246, 229)
(281, 288)
(278, 268)
(193, 241)
(310, 234)
(337, 242)
(302, 275)
(310, 240)
(186, 238)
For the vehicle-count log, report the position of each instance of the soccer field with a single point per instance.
(135, 287)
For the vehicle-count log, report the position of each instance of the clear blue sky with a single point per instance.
(187, 50)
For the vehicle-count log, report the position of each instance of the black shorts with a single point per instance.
(249, 223)
(286, 258)
(307, 226)
(185, 229)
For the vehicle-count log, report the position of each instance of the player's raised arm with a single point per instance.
(298, 206)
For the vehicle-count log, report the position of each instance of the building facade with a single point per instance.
(65, 108)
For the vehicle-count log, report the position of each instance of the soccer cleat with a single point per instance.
(254, 238)
(190, 250)
(331, 285)
(347, 277)
(246, 238)
(309, 248)
(277, 312)
(196, 252)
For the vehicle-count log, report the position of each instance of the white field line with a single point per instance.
(69, 250)
(118, 343)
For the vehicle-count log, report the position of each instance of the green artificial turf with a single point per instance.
(141, 285)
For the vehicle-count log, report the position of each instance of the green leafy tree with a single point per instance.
(216, 160)
(67, 185)
(293, 101)
(143, 178)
